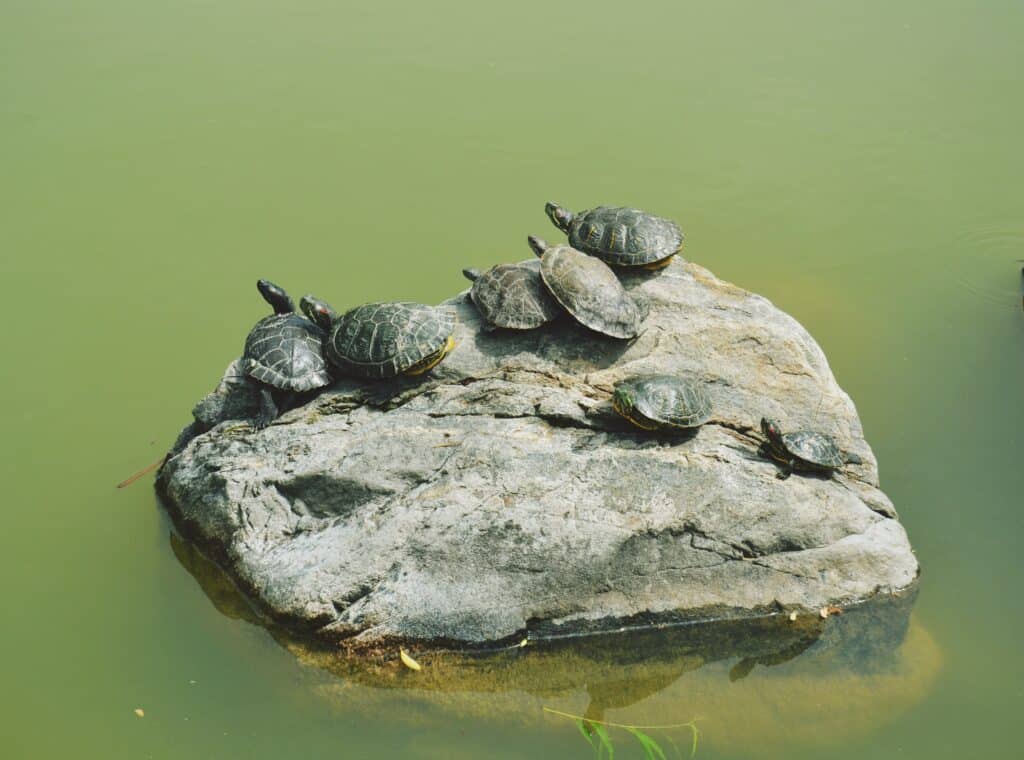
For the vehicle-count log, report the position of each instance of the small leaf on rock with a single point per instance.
(408, 661)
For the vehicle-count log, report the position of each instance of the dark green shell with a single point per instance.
(286, 351)
(665, 400)
(624, 236)
(379, 340)
(591, 292)
(815, 449)
(513, 296)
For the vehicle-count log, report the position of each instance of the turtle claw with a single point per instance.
(261, 423)
(268, 410)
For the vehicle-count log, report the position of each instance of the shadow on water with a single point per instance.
(750, 684)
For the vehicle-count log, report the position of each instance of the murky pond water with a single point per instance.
(859, 164)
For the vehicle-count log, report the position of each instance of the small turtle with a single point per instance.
(283, 352)
(802, 451)
(380, 340)
(662, 402)
(589, 290)
(623, 237)
(512, 296)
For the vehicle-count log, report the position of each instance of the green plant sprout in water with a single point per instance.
(597, 735)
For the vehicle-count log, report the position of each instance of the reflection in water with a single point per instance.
(750, 683)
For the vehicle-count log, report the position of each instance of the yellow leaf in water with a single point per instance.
(408, 661)
(140, 712)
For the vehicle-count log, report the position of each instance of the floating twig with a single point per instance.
(144, 471)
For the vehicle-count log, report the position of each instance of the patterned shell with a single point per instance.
(514, 296)
(286, 351)
(816, 448)
(381, 340)
(669, 400)
(624, 236)
(590, 291)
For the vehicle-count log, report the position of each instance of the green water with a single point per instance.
(857, 163)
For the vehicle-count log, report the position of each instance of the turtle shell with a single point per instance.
(590, 291)
(381, 340)
(665, 400)
(514, 296)
(625, 237)
(286, 352)
(814, 448)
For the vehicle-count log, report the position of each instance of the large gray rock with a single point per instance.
(500, 496)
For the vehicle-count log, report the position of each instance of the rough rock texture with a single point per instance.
(500, 496)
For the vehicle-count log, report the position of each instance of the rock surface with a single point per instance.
(500, 496)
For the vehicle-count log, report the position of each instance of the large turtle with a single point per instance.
(802, 451)
(283, 352)
(662, 402)
(589, 290)
(512, 296)
(624, 237)
(380, 340)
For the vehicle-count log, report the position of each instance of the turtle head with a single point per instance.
(559, 216)
(537, 245)
(623, 400)
(275, 296)
(771, 429)
(318, 312)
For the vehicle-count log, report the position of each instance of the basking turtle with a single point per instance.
(283, 352)
(623, 237)
(379, 340)
(662, 402)
(512, 296)
(802, 451)
(589, 290)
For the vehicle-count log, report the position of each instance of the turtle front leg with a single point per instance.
(786, 470)
(268, 409)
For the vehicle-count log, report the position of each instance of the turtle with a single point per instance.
(622, 237)
(662, 402)
(589, 290)
(512, 296)
(382, 340)
(283, 352)
(802, 451)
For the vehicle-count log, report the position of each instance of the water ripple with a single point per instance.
(991, 270)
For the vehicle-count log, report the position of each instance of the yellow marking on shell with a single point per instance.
(611, 243)
(432, 361)
(660, 263)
